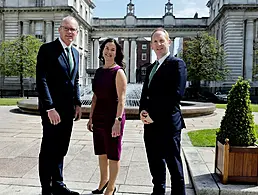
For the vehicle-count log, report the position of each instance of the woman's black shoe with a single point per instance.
(114, 192)
(97, 191)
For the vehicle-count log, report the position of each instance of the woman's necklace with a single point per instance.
(111, 66)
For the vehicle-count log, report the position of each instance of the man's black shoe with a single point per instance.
(46, 192)
(155, 193)
(63, 190)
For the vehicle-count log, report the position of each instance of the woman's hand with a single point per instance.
(116, 129)
(90, 125)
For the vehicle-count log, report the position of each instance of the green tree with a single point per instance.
(18, 57)
(238, 123)
(205, 59)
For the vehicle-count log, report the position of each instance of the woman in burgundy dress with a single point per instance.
(107, 117)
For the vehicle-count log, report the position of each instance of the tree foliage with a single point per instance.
(204, 58)
(18, 57)
(238, 123)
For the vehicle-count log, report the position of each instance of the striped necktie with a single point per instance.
(154, 69)
(70, 58)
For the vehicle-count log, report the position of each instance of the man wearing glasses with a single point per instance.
(57, 81)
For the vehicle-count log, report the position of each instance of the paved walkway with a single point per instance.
(20, 136)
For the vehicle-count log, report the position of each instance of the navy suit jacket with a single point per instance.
(161, 99)
(57, 87)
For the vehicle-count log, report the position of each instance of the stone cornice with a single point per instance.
(80, 19)
(71, 9)
(135, 29)
(35, 9)
(225, 8)
(239, 6)
(90, 3)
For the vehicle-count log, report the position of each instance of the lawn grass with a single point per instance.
(253, 106)
(206, 137)
(9, 101)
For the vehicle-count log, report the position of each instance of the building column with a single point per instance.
(1, 27)
(126, 56)
(32, 28)
(86, 82)
(91, 54)
(249, 52)
(26, 28)
(151, 53)
(96, 53)
(171, 47)
(49, 31)
(133, 60)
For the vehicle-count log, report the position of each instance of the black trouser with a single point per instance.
(163, 147)
(54, 146)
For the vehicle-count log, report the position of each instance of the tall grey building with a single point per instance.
(42, 19)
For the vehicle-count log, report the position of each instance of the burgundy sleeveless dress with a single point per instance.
(104, 87)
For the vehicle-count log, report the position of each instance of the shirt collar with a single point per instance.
(63, 44)
(161, 60)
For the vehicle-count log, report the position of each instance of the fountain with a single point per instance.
(133, 93)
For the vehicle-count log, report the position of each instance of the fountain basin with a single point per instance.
(188, 108)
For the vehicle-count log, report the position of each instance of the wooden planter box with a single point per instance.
(235, 164)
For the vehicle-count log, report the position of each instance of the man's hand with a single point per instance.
(54, 117)
(78, 113)
(143, 116)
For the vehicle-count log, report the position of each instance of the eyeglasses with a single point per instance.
(72, 30)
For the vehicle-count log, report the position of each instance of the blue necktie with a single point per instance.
(154, 69)
(70, 58)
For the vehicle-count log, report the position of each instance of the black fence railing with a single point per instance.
(5, 93)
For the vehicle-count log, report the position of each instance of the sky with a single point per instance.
(151, 9)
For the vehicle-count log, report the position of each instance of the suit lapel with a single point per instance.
(76, 63)
(64, 63)
(62, 58)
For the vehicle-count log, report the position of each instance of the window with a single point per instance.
(80, 68)
(86, 41)
(143, 71)
(217, 34)
(21, 27)
(86, 15)
(81, 42)
(39, 29)
(81, 10)
(222, 33)
(74, 3)
(39, 3)
(144, 56)
(144, 46)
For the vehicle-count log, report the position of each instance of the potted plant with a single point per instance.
(236, 154)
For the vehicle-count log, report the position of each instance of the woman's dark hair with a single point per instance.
(119, 59)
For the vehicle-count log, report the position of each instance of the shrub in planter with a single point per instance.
(238, 123)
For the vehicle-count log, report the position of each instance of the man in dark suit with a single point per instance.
(59, 103)
(160, 112)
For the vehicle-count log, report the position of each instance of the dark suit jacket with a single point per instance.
(161, 99)
(56, 86)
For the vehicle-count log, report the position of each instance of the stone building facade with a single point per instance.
(42, 19)
(235, 24)
(232, 22)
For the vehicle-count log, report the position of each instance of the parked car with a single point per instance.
(223, 97)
